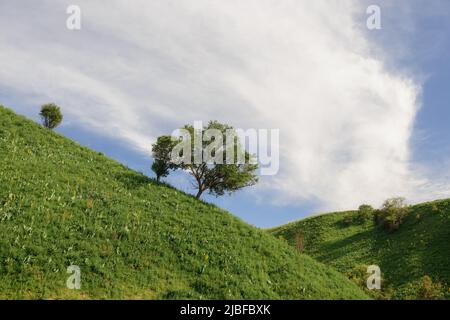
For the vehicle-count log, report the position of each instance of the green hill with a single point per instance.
(421, 247)
(62, 204)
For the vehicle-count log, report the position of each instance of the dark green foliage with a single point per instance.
(420, 247)
(161, 153)
(392, 213)
(160, 168)
(365, 213)
(217, 176)
(51, 115)
(63, 204)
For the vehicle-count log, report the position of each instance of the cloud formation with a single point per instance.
(138, 71)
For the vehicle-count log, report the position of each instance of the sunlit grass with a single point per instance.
(420, 247)
(62, 204)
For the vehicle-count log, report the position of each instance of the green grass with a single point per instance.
(62, 204)
(420, 247)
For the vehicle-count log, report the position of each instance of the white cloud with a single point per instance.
(139, 70)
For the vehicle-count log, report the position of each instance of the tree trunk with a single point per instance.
(158, 178)
(199, 193)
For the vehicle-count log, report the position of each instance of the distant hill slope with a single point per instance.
(62, 204)
(420, 247)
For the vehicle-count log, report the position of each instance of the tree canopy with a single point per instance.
(213, 156)
(161, 151)
(51, 115)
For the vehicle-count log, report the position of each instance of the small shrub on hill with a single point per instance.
(365, 212)
(51, 115)
(392, 213)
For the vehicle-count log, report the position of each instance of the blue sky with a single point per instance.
(363, 115)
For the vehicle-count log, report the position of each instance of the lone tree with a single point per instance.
(392, 213)
(161, 151)
(214, 158)
(51, 115)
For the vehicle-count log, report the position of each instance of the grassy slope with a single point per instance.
(420, 247)
(63, 204)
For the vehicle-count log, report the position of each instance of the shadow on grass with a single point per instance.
(357, 242)
(134, 180)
